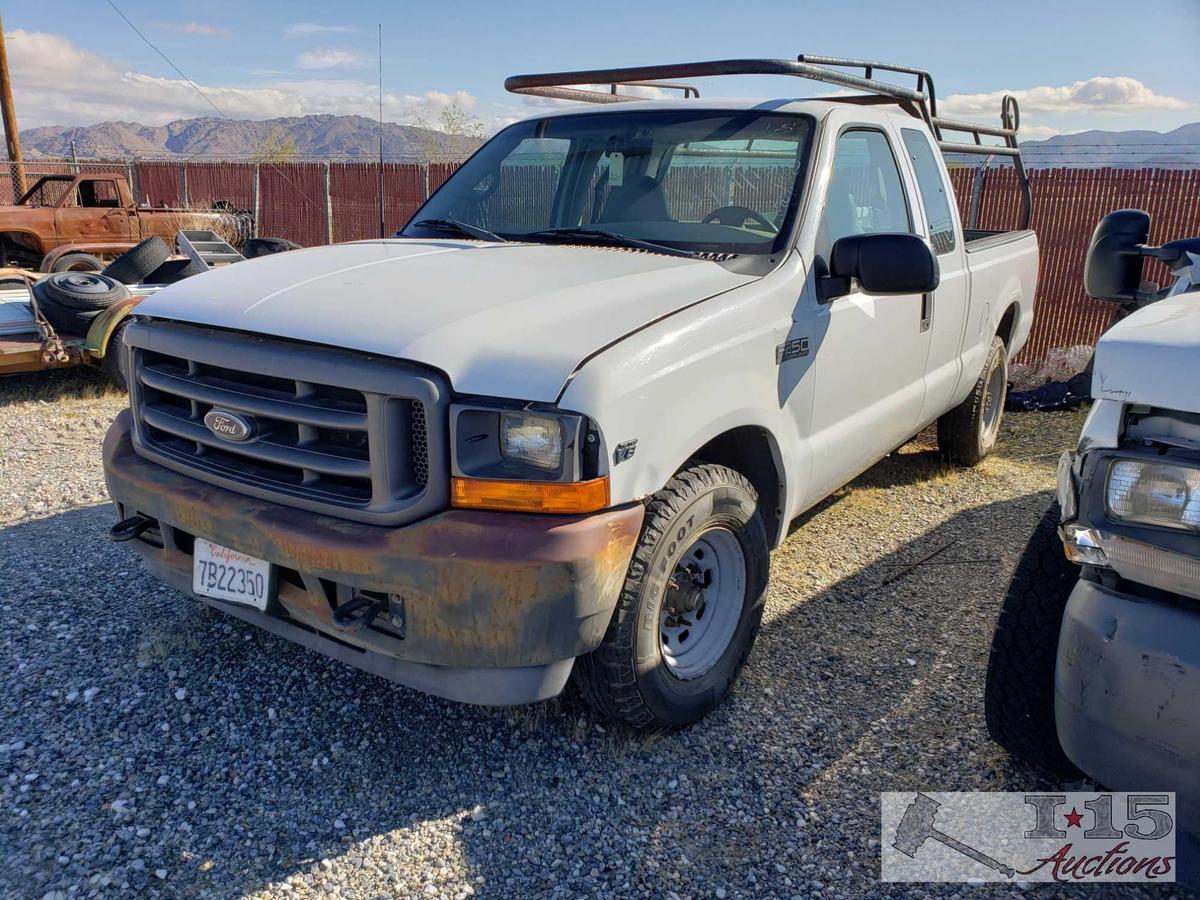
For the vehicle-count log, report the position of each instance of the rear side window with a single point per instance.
(932, 186)
(865, 193)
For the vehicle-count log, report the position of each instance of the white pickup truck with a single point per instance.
(556, 425)
(1095, 662)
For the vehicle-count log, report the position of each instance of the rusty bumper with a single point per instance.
(496, 605)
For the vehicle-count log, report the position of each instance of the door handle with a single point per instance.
(926, 312)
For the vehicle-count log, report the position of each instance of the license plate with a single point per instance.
(230, 575)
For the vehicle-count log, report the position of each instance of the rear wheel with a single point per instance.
(77, 262)
(691, 604)
(1019, 692)
(969, 432)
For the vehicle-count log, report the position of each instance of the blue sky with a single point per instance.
(1075, 64)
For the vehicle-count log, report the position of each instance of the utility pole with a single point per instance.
(12, 137)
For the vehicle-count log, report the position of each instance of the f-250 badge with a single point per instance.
(792, 349)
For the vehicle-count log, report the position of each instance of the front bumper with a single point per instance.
(1127, 693)
(496, 605)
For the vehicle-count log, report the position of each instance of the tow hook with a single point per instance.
(361, 610)
(128, 529)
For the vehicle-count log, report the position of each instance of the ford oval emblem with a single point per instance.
(230, 426)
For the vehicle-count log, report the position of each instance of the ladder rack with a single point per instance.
(919, 100)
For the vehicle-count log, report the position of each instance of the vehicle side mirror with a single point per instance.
(1113, 270)
(890, 263)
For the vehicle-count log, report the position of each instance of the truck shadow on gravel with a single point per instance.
(150, 746)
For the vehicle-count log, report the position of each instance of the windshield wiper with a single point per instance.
(611, 238)
(458, 227)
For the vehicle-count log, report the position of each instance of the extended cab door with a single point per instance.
(869, 350)
(93, 212)
(946, 308)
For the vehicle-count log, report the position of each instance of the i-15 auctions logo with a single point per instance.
(1068, 837)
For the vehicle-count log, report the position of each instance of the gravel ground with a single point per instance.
(150, 746)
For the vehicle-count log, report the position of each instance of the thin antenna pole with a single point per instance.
(382, 227)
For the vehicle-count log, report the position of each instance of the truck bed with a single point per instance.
(1003, 267)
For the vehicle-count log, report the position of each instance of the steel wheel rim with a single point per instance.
(693, 641)
(993, 401)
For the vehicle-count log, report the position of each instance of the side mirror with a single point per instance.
(887, 263)
(1113, 270)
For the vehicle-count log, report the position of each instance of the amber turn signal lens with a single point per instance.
(529, 496)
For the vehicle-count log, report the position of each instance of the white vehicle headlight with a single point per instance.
(533, 439)
(1153, 493)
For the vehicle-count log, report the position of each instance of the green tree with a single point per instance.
(453, 135)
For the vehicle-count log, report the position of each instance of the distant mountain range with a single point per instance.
(211, 138)
(1120, 149)
(356, 137)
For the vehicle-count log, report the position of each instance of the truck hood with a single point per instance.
(504, 320)
(1153, 356)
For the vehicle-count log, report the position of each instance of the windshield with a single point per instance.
(703, 180)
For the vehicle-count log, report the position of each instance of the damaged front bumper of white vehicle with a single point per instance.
(1127, 681)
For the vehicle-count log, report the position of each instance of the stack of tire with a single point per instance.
(71, 300)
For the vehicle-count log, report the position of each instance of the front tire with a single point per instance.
(1019, 692)
(690, 607)
(969, 432)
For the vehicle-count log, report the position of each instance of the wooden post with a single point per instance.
(12, 137)
(183, 181)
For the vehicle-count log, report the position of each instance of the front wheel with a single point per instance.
(1019, 692)
(690, 607)
(969, 432)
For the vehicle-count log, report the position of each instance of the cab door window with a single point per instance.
(866, 193)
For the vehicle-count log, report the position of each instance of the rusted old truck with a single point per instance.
(65, 222)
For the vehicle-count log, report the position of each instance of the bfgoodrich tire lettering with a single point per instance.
(626, 678)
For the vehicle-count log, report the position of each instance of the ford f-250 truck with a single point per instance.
(1095, 663)
(557, 424)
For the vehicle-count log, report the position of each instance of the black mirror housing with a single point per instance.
(1113, 270)
(884, 263)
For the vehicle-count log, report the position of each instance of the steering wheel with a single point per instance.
(736, 216)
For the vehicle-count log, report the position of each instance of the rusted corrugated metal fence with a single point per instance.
(317, 202)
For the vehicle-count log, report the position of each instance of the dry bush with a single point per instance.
(232, 227)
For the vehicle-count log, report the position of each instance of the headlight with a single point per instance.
(1152, 493)
(532, 439)
(524, 460)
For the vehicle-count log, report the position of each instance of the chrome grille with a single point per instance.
(351, 437)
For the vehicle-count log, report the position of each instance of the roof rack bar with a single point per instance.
(920, 101)
(578, 82)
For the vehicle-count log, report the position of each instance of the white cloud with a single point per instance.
(1038, 132)
(57, 83)
(331, 58)
(1103, 94)
(305, 29)
(199, 29)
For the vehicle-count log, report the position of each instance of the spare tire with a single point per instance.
(64, 320)
(77, 262)
(266, 246)
(174, 270)
(136, 263)
(83, 290)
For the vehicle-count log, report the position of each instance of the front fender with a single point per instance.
(693, 376)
